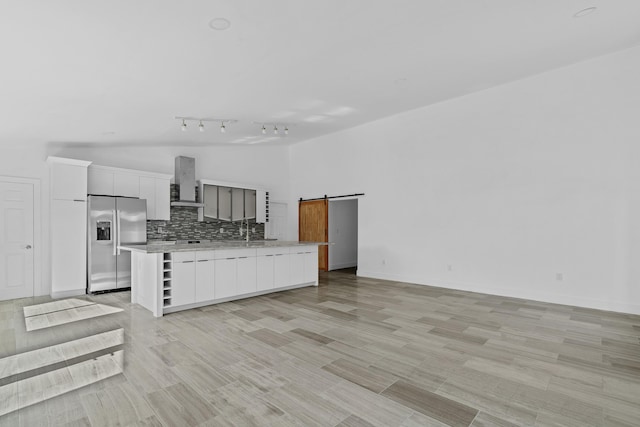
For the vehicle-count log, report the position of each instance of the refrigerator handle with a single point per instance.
(114, 233)
(118, 229)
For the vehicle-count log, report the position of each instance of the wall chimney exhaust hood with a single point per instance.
(186, 182)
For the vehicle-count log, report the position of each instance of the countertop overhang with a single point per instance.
(159, 247)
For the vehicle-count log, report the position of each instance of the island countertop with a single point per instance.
(160, 247)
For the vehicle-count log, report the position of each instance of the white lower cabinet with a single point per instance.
(246, 275)
(205, 273)
(183, 281)
(225, 277)
(264, 274)
(235, 272)
(68, 247)
(281, 275)
(311, 265)
(304, 264)
(296, 268)
(205, 276)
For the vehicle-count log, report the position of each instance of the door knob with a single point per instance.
(28, 247)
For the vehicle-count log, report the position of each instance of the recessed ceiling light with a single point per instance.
(584, 12)
(219, 24)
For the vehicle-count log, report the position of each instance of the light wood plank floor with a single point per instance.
(352, 352)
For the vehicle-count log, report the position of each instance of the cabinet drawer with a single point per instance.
(305, 249)
(234, 253)
(205, 255)
(273, 251)
(183, 256)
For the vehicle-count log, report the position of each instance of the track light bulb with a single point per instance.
(264, 130)
(201, 127)
(275, 130)
(222, 128)
(184, 126)
(286, 130)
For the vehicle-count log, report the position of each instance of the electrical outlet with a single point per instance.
(559, 277)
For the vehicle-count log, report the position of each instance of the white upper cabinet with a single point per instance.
(126, 184)
(68, 178)
(163, 199)
(153, 187)
(156, 192)
(106, 181)
(100, 182)
(148, 192)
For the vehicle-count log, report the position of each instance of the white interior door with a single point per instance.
(16, 240)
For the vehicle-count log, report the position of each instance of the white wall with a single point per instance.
(266, 167)
(500, 191)
(343, 233)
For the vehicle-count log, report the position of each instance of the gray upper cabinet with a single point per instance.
(250, 204)
(210, 200)
(224, 203)
(230, 203)
(237, 204)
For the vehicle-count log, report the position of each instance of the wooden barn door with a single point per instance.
(313, 226)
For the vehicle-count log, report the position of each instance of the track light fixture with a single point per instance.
(222, 122)
(278, 127)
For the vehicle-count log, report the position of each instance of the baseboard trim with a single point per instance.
(67, 294)
(168, 310)
(577, 301)
(343, 265)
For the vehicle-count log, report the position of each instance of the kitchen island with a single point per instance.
(168, 277)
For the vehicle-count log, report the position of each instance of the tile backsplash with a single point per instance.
(184, 225)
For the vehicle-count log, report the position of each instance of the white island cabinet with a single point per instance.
(179, 277)
(183, 279)
(205, 274)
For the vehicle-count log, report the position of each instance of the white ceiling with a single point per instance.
(118, 71)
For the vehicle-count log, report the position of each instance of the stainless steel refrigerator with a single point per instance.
(113, 221)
